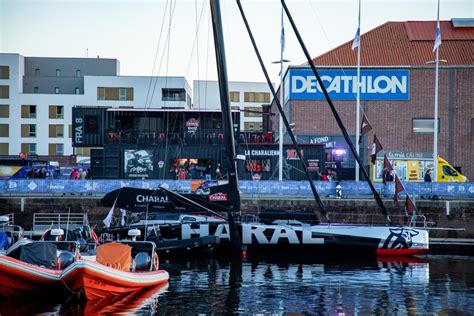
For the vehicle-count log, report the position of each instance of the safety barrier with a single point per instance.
(43, 221)
(261, 188)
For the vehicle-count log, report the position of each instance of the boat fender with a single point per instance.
(58, 266)
(156, 262)
(78, 256)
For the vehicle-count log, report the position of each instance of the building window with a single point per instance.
(4, 111)
(69, 131)
(4, 92)
(84, 151)
(122, 94)
(77, 91)
(4, 130)
(35, 90)
(424, 125)
(56, 112)
(114, 94)
(29, 148)
(56, 90)
(56, 130)
(261, 97)
(234, 96)
(58, 72)
(28, 111)
(100, 93)
(37, 72)
(78, 72)
(28, 130)
(253, 112)
(472, 126)
(4, 149)
(173, 95)
(4, 72)
(56, 149)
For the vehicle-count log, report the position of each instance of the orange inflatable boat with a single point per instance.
(119, 268)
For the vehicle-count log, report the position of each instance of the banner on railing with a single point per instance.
(275, 188)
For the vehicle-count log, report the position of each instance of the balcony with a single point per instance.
(205, 137)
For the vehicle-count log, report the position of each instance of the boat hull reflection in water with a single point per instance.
(437, 285)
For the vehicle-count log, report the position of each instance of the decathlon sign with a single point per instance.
(380, 84)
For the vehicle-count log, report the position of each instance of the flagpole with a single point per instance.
(280, 125)
(435, 131)
(358, 101)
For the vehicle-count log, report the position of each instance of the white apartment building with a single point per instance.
(37, 95)
(248, 97)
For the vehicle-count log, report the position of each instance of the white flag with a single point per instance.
(437, 38)
(282, 37)
(124, 212)
(108, 220)
(356, 41)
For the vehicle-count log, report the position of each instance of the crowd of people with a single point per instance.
(37, 173)
(81, 174)
(194, 172)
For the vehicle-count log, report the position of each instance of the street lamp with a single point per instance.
(280, 125)
(435, 119)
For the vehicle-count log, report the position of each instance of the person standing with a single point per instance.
(218, 172)
(428, 175)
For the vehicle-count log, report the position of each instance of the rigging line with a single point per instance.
(360, 107)
(195, 41)
(162, 56)
(282, 113)
(156, 53)
(168, 52)
(334, 111)
(207, 61)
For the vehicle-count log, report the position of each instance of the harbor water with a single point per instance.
(435, 285)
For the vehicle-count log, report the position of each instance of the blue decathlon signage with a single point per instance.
(376, 84)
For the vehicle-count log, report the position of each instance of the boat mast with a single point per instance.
(334, 111)
(282, 114)
(236, 245)
(224, 95)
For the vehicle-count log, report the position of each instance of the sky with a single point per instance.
(174, 38)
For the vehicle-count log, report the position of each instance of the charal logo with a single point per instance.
(192, 122)
(219, 196)
(154, 199)
(399, 238)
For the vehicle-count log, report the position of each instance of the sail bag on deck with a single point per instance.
(115, 255)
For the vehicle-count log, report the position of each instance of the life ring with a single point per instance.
(156, 261)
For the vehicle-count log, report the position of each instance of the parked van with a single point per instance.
(412, 167)
(447, 173)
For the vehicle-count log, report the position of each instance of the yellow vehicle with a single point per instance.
(446, 172)
(411, 167)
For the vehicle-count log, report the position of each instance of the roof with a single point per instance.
(406, 44)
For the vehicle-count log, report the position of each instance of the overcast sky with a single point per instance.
(129, 30)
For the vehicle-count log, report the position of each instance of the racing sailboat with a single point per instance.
(292, 238)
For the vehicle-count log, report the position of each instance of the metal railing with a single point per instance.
(43, 221)
(379, 219)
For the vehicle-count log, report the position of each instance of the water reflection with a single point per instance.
(380, 287)
(439, 285)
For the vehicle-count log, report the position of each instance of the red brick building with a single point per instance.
(402, 122)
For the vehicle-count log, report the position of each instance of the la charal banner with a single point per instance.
(376, 84)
